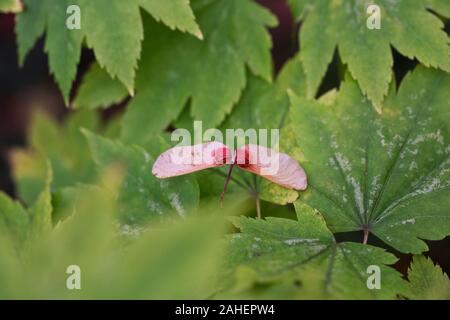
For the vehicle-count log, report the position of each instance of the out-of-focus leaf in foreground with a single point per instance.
(14, 219)
(63, 145)
(19, 225)
(387, 174)
(176, 261)
(293, 259)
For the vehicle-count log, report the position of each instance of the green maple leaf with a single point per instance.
(175, 261)
(427, 280)
(405, 24)
(112, 28)
(279, 250)
(99, 90)
(212, 73)
(11, 6)
(182, 266)
(115, 37)
(30, 25)
(62, 45)
(176, 14)
(91, 237)
(142, 196)
(386, 174)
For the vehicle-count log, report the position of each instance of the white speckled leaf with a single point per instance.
(279, 249)
(387, 173)
(143, 197)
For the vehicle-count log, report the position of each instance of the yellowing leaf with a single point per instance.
(428, 281)
(13, 6)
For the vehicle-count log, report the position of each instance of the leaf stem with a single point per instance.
(366, 235)
(256, 195)
(258, 207)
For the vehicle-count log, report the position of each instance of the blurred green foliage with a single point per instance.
(376, 156)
